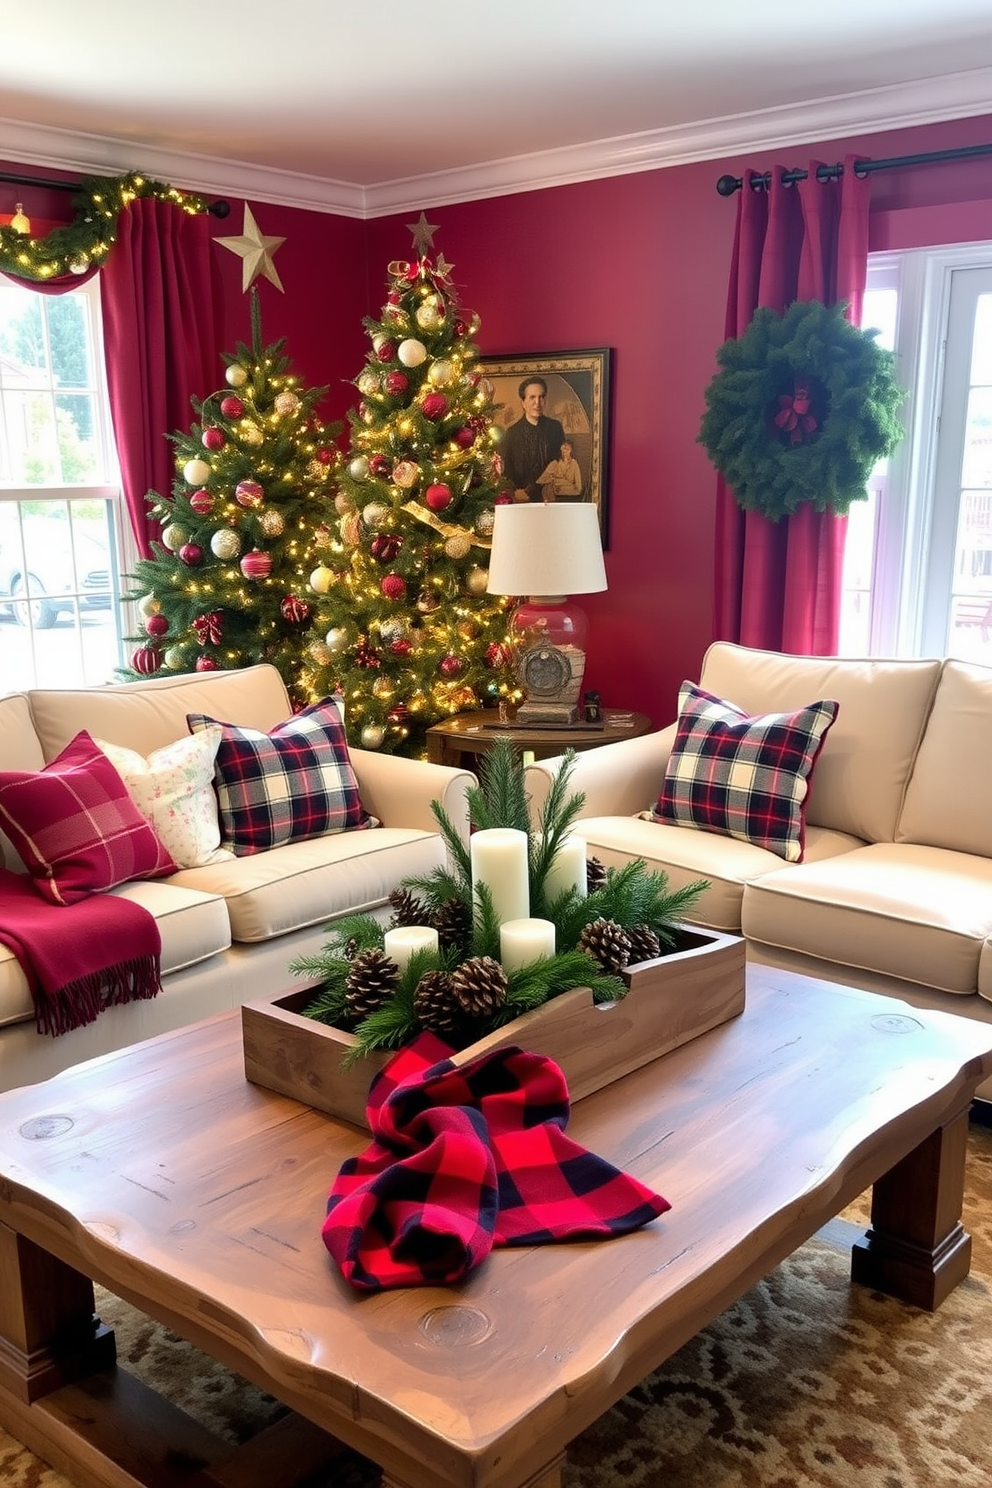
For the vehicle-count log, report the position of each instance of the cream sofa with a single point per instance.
(229, 930)
(895, 890)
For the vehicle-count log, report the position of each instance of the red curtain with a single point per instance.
(778, 584)
(161, 326)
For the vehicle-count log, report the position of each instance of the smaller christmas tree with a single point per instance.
(228, 583)
(406, 629)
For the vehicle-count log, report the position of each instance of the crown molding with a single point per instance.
(896, 106)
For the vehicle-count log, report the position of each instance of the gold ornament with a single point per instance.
(174, 658)
(286, 403)
(440, 373)
(336, 638)
(484, 523)
(225, 544)
(405, 474)
(343, 504)
(235, 376)
(374, 513)
(457, 547)
(477, 581)
(382, 687)
(368, 383)
(373, 735)
(272, 522)
(251, 435)
(351, 529)
(174, 536)
(320, 653)
(149, 606)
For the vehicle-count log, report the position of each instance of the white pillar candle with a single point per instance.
(568, 869)
(400, 944)
(499, 860)
(522, 941)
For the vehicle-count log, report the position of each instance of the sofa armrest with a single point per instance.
(399, 791)
(617, 779)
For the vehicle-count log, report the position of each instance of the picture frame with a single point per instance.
(578, 398)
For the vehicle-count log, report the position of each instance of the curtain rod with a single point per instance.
(727, 185)
(216, 209)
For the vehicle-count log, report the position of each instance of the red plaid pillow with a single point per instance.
(288, 785)
(76, 827)
(742, 776)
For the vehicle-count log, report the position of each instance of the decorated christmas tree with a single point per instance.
(228, 583)
(405, 628)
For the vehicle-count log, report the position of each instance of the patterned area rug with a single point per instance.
(807, 1382)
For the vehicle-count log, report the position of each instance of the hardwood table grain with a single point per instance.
(163, 1174)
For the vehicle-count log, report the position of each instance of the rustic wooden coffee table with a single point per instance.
(161, 1173)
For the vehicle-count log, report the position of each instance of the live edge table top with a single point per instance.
(163, 1174)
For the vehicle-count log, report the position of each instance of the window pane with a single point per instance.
(981, 351)
(22, 337)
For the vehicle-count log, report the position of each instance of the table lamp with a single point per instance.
(547, 553)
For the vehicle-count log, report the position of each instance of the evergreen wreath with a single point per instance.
(89, 237)
(623, 906)
(803, 408)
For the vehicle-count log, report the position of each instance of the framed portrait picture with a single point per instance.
(553, 409)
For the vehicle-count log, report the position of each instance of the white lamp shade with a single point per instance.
(546, 550)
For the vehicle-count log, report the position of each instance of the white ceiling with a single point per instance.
(375, 105)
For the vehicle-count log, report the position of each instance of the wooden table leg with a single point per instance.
(49, 1334)
(917, 1249)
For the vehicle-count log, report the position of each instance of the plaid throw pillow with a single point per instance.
(290, 784)
(76, 827)
(742, 776)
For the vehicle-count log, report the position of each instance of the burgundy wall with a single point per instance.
(638, 263)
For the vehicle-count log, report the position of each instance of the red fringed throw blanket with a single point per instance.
(466, 1159)
(78, 958)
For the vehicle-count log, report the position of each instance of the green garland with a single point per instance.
(804, 407)
(89, 237)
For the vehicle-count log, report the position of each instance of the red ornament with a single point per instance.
(325, 456)
(207, 664)
(157, 625)
(256, 564)
(401, 646)
(434, 405)
(399, 713)
(385, 351)
(295, 610)
(207, 628)
(504, 498)
(232, 408)
(451, 666)
(379, 465)
(365, 656)
(465, 437)
(794, 417)
(396, 383)
(438, 496)
(393, 586)
(385, 546)
(202, 502)
(146, 659)
(191, 554)
(213, 439)
(499, 654)
(249, 493)
(460, 329)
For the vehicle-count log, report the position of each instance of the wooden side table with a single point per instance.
(472, 733)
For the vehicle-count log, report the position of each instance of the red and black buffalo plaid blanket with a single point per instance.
(465, 1159)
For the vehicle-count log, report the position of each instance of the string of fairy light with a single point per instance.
(85, 242)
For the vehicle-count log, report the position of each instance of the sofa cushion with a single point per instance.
(743, 776)
(896, 909)
(193, 925)
(287, 785)
(862, 771)
(75, 826)
(173, 788)
(949, 796)
(309, 883)
(686, 855)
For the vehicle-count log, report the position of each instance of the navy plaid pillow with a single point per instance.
(290, 784)
(745, 777)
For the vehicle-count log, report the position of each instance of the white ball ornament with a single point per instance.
(225, 544)
(441, 373)
(196, 472)
(368, 383)
(174, 536)
(358, 468)
(428, 316)
(412, 352)
(235, 376)
(336, 638)
(374, 513)
(321, 580)
(148, 605)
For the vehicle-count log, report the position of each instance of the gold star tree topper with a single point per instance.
(256, 252)
(423, 235)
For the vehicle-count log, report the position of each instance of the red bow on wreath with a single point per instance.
(794, 417)
(208, 628)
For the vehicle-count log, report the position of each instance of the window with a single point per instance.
(60, 502)
(918, 563)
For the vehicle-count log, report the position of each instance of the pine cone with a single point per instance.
(350, 948)
(369, 983)
(479, 986)
(407, 909)
(644, 944)
(595, 875)
(606, 942)
(436, 1007)
(453, 923)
